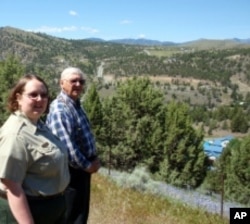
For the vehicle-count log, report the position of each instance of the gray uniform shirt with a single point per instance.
(30, 154)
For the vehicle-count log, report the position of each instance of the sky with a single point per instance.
(163, 20)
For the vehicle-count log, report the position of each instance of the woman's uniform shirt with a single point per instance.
(30, 154)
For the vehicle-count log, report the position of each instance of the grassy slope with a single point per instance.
(113, 205)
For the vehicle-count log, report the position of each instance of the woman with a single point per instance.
(33, 162)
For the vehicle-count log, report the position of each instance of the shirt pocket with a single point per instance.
(41, 154)
(45, 148)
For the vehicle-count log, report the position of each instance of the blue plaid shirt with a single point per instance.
(68, 121)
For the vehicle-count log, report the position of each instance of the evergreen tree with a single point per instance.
(144, 134)
(93, 107)
(117, 123)
(10, 71)
(237, 171)
(133, 120)
(184, 161)
(239, 122)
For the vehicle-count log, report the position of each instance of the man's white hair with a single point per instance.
(67, 72)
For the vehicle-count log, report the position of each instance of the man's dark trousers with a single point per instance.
(78, 202)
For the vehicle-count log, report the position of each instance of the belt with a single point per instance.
(48, 197)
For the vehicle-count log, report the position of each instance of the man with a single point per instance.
(68, 120)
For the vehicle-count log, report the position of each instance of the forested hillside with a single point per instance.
(211, 76)
(213, 71)
(215, 64)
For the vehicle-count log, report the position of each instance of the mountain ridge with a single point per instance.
(149, 42)
(140, 41)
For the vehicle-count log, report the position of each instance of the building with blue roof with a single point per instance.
(214, 147)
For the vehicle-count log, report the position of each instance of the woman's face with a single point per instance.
(33, 100)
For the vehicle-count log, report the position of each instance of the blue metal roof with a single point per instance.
(214, 147)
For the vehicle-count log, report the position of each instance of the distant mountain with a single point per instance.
(129, 41)
(95, 39)
(142, 41)
(200, 43)
(244, 41)
(207, 43)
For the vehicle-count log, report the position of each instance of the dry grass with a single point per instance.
(113, 205)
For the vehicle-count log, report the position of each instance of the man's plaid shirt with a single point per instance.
(68, 121)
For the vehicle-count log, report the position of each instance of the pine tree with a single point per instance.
(184, 161)
(132, 117)
(93, 107)
(239, 122)
(237, 171)
(10, 71)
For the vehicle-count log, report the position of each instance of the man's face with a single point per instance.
(73, 85)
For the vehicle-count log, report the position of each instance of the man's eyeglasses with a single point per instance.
(74, 81)
(35, 96)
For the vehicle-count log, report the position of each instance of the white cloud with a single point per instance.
(47, 29)
(89, 29)
(73, 13)
(125, 21)
(141, 36)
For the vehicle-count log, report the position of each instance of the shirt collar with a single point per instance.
(32, 126)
